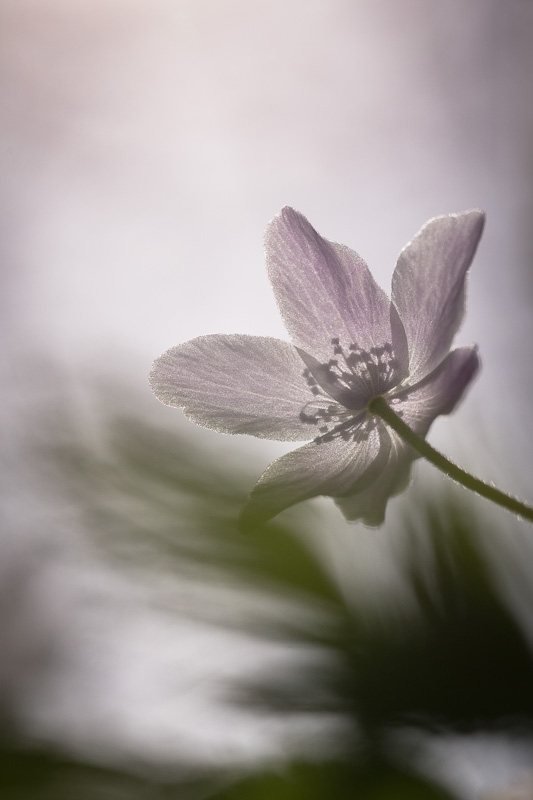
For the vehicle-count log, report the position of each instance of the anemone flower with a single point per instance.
(350, 345)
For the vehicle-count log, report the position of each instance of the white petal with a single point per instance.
(369, 504)
(325, 291)
(440, 392)
(428, 286)
(330, 468)
(236, 384)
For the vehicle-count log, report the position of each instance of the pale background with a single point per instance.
(146, 144)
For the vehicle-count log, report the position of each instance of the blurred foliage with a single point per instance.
(37, 774)
(443, 651)
(375, 780)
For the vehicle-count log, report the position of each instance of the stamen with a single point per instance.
(352, 373)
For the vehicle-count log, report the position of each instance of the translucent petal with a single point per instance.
(236, 384)
(330, 468)
(369, 503)
(325, 291)
(428, 286)
(440, 392)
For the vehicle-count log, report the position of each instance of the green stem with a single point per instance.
(380, 407)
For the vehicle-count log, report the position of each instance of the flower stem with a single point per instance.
(380, 407)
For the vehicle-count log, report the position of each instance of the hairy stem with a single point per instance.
(380, 407)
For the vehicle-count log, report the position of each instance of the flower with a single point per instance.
(350, 345)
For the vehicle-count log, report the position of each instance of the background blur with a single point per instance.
(144, 147)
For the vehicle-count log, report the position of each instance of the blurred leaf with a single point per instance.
(29, 774)
(377, 780)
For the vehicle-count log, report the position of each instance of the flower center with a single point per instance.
(351, 378)
(354, 367)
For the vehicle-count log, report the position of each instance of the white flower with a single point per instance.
(350, 345)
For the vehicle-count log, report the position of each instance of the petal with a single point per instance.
(440, 392)
(236, 384)
(325, 291)
(369, 502)
(331, 468)
(428, 286)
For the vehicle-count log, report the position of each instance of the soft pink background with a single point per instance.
(146, 143)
